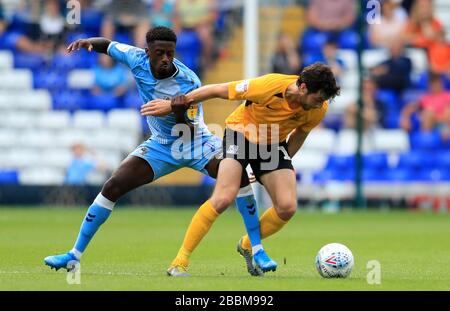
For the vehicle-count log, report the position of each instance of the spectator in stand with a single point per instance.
(286, 59)
(162, 13)
(110, 77)
(423, 28)
(433, 108)
(392, 25)
(81, 165)
(331, 15)
(373, 108)
(439, 55)
(126, 16)
(331, 58)
(52, 24)
(199, 15)
(395, 72)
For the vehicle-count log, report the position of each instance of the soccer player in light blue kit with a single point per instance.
(159, 75)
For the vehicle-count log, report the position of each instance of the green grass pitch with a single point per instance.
(134, 248)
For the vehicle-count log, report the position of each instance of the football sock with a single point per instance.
(199, 226)
(96, 215)
(270, 223)
(246, 204)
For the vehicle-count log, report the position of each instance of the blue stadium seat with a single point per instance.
(442, 160)
(189, 48)
(102, 101)
(434, 175)
(389, 99)
(9, 177)
(391, 120)
(132, 100)
(348, 39)
(68, 100)
(29, 61)
(123, 37)
(376, 161)
(370, 174)
(337, 162)
(430, 141)
(64, 62)
(49, 79)
(415, 160)
(91, 21)
(313, 40)
(400, 174)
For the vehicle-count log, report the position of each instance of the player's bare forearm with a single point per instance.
(207, 92)
(296, 140)
(97, 44)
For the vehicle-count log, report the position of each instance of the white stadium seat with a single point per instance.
(7, 100)
(391, 140)
(71, 136)
(88, 119)
(80, 79)
(34, 100)
(18, 119)
(36, 138)
(310, 161)
(57, 157)
(347, 142)
(22, 157)
(419, 60)
(126, 119)
(41, 176)
(8, 138)
(371, 58)
(320, 139)
(56, 120)
(6, 60)
(19, 79)
(341, 102)
(350, 59)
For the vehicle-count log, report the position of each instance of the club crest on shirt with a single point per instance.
(242, 86)
(191, 113)
(123, 47)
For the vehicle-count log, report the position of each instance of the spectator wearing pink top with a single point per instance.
(331, 15)
(433, 108)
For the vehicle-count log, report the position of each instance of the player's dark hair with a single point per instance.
(318, 77)
(160, 33)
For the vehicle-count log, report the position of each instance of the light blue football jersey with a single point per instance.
(182, 81)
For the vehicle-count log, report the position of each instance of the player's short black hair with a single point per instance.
(160, 33)
(318, 77)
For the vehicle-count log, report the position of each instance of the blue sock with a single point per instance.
(246, 204)
(96, 215)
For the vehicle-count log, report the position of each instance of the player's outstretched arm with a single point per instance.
(98, 44)
(296, 140)
(161, 107)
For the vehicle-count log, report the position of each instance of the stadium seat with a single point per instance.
(419, 60)
(340, 103)
(374, 175)
(347, 139)
(350, 59)
(19, 79)
(391, 141)
(125, 119)
(36, 138)
(56, 120)
(443, 160)
(68, 100)
(400, 175)
(56, 157)
(430, 141)
(7, 100)
(309, 161)
(37, 100)
(29, 61)
(371, 58)
(6, 60)
(389, 99)
(348, 39)
(51, 80)
(132, 100)
(312, 40)
(189, 47)
(340, 162)
(103, 101)
(71, 136)
(20, 157)
(87, 120)
(91, 21)
(350, 80)
(9, 177)
(413, 161)
(18, 119)
(321, 139)
(41, 176)
(80, 79)
(375, 162)
(8, 137)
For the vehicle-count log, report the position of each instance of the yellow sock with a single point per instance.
(270, 223)
(199, 226)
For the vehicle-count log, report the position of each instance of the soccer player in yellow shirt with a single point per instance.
(265, 131)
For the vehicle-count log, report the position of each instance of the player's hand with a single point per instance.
(179, 104)
(81, 43)
(157, 108)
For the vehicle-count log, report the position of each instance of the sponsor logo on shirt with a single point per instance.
(242, 86)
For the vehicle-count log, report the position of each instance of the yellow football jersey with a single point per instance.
(265, 117)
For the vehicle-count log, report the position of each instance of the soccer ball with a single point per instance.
(334, 260)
